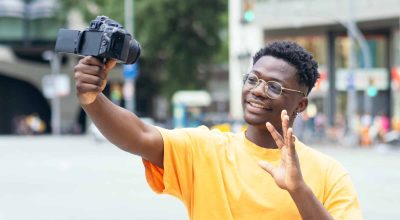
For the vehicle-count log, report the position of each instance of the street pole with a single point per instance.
(235, 82)
(354, 34)
(351, 94)
(55, 100)
(351, 83)
(129, 83)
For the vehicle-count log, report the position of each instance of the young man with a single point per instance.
(262, 173)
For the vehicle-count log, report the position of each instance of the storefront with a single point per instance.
(329, 44)
(395, 81)
(370, 85)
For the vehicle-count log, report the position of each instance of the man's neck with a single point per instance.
(260, 137)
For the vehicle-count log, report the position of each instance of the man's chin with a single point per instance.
(257, 122)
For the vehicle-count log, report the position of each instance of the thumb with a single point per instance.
(110, 64)
(266, 166)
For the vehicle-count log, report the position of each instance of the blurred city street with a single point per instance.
(76, 177)
(198, 64)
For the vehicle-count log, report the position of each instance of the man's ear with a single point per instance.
(302, 105)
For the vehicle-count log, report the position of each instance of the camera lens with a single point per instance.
(134, 52)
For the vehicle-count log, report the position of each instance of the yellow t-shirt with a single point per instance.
(216, 175)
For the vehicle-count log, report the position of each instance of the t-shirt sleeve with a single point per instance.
(341, 199)
(176, 178)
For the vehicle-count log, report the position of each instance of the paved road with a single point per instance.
(76, 178)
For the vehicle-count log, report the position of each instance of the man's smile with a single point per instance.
(254, 106)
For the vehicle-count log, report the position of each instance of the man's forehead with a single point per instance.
(268, 64)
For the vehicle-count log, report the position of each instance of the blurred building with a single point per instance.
(320, 26)
(28, 29)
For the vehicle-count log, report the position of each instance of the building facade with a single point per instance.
(322, 27)
(28, 31)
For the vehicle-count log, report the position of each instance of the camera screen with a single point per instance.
(92, 42)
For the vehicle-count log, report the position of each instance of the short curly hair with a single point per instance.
(301, 59)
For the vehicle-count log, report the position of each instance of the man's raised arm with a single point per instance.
(120, 126)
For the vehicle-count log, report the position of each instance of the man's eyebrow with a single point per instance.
(256, 72)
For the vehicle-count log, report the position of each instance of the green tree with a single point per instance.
(180, 39)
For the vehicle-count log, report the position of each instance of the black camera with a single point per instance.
(104, 39)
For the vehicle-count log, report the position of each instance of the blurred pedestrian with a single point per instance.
(261, 173)
(382, 124)
(35, 123)
(20, 125)
(320, 124)
(365, 130)
(116, 93)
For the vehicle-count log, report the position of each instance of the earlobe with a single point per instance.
(302, 105)
(295, 113)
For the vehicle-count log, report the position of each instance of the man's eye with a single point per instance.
(274, 87)
(252, 79)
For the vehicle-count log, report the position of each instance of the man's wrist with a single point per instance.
(308, 204)
(89, 104)
(301, 190)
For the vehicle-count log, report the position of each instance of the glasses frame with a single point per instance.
(246, 75)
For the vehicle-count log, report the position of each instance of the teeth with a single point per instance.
(256, 105)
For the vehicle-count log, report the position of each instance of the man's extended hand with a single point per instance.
(287, 174)
(91, 78)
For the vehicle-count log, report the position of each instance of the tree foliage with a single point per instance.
(180, 39)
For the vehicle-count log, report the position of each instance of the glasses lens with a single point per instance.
(252, 79)
(273, 89)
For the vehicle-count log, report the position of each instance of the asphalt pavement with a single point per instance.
(78, 178)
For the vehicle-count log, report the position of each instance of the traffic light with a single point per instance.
(248, 11)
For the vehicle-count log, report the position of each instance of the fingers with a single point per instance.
(286, 139)
(110, 64)
(290, 142)
(285, 127)
(90, 79)
(89, 60)
(287, 132)
(91, 66)
(83, 88)
(285, 124)
(275, 135)
(267, 167)
(92, 70)
(89, 71)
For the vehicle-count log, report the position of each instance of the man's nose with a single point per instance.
(259, 89)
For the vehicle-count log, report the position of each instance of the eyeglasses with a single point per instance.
(272, 89)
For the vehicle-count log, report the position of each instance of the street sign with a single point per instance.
(360, 79)
(350, 81)
(128, 89)
(131, 71)
(55, 85)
